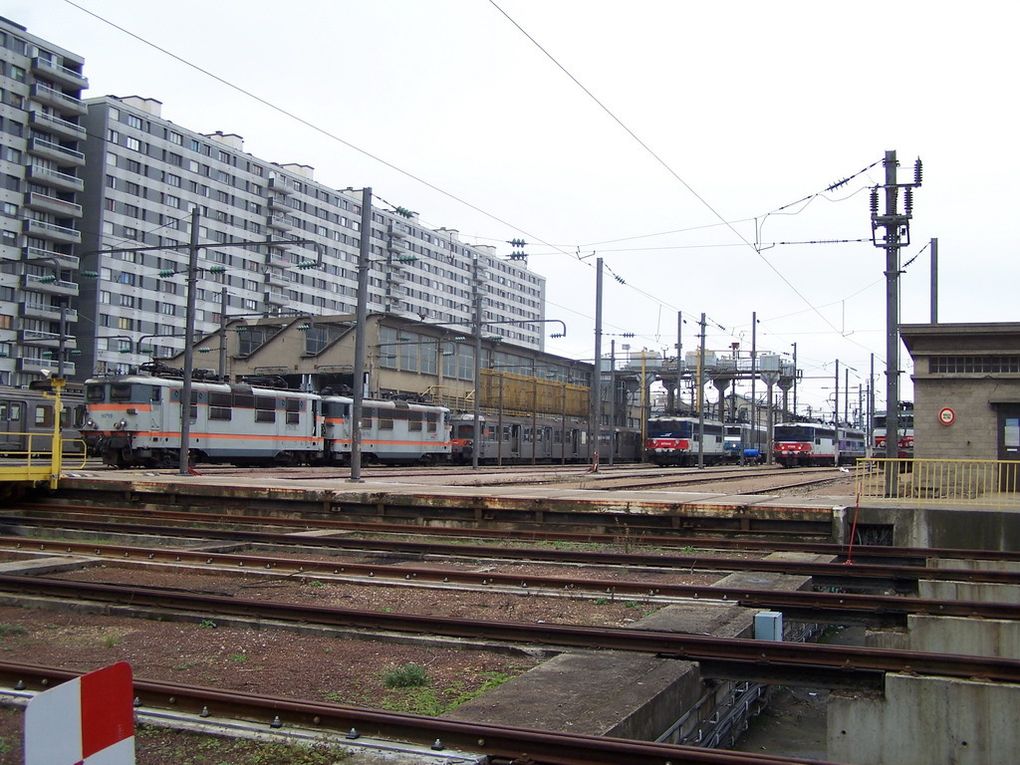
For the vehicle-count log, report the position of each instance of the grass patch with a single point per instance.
(12, 630)
(406, 676)
(207, 624)
(428, 701)
(239, 658)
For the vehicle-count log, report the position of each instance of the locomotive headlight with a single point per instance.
(90, 424)
(121, 425)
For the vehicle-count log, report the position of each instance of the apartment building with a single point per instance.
(41, 185)
(144, 175)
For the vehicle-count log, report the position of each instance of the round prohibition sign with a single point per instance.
(947, 416)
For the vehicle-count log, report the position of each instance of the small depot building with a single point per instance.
(966, 390)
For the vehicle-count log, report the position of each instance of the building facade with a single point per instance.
(42, 135)
(144, 175)
(966, 390)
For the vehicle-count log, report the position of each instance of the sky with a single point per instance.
(667, 138)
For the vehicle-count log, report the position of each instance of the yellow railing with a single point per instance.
(940, 482)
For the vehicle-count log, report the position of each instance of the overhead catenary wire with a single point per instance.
(661, 161)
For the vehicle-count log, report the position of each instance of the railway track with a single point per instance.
(501, 745)
(287, 519)
(861, 576)
(810, 664)
(816, 607)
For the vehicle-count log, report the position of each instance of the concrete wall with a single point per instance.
(926, 721)
(974, 435)
(948, 527)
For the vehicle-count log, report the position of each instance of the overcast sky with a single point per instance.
(748, 107)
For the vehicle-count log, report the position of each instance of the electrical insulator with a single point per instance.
(908, 200)
(917, 171)
(874, 201)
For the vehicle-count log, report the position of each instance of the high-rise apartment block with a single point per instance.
(84, 178)
(41, 164)
(144, 176)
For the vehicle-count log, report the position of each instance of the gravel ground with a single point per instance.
(467, 604)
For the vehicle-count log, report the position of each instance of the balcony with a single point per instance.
(47, 285)
(63, 156)
(53, 124)
(279, 259)
(37, 253)
(45, 312)
(45, 339)
(55, 178)
(62, 102)
(61, 74)
(280, 185)
(277, 298)
(52, 231)
(279, 223)
(46, 203)
(276, 279)
(50, 365)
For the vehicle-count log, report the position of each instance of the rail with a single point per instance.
(927, 482)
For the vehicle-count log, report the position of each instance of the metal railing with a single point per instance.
(940, 482)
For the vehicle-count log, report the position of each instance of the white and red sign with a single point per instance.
(86, 721)
(947, 416)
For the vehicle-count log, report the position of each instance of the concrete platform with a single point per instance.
(613, 694)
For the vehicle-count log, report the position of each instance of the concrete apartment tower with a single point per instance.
(41, 163)
(144, 176)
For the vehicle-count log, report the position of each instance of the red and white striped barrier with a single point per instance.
(86, 721)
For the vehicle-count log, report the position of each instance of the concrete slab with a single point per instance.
(924, 720)
(986, 592)
(49, 565)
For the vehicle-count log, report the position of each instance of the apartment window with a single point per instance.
(173, 180)
(176, 138)
(127, 278)
(112, 136)
(8, 238)
(127, 301)
(168, 309)
(172, 201)
(124, 322)
(133, 121)
(12, 182)
(133, 143)
(10, 209)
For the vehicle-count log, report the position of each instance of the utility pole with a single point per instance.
(897, 234)
(934, 280)
(835, 414)
(476, 445)
(871, 407)
(754, 376)
(846, 395)
(223, 334)
(794, 381)
(679, 359)
(596, 378)
(189, 344)
(612, 402)
(361, 319)
(701, 396)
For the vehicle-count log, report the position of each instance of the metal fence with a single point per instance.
(940, 482)
(29, 457)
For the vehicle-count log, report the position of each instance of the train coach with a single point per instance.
(27, 419)
(545, 438)
(807, 443)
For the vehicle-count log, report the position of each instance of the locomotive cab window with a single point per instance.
(265, 409)
(294, 408)
(95, 394)
(219, 406)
